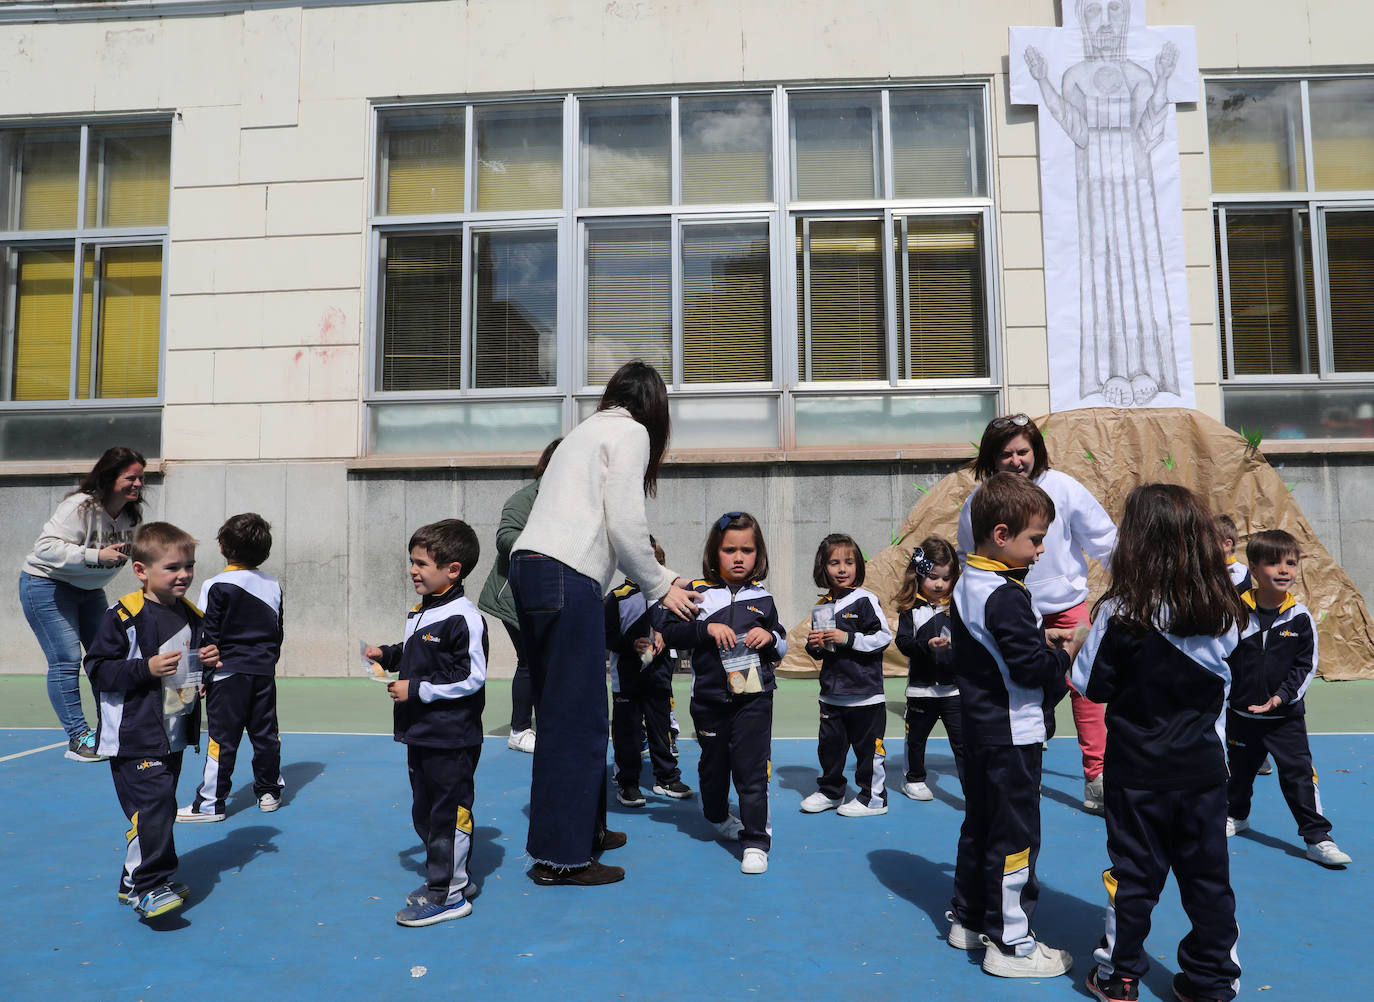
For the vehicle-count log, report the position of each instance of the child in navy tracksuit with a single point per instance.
(735, 640)
(439, 699)
(1009, 682)
(848, 636)
(1230, 539)
(243, 618)
(1274, 664)
(641, 694)
(1156, 656)
(923, 636)
(144, 666)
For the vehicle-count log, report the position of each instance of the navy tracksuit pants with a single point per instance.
(441, 810)
(1285, 738)
(995, 889)
(860, 728)
(922, 713)
(1149, 833)
(642, 707)
(234, 704)
(736, 740)
(146, 786)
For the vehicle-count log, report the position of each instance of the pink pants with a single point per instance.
(1088, 717)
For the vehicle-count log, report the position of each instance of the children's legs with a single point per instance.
(1202, 870)
(864, 727)
(831, 748)
(147, 790)
(263, 732)
(1138, 842)
(751, 743)
(714, 727)
(627, 736)
(441, 784)
(562, 621)
(521, 691)
(656, 704)
(921, 715)
(1012, 846)
(1286, 741)
(1244, 753)
(951, 714)
(1089, 718)
(227, 702)
(970, 899)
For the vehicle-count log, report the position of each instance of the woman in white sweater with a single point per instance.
(61, 587)
(587, 521)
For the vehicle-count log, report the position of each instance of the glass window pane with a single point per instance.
(629, 285)
(520, 157)
(745, 422)
(422, 316)
(1350, 267)
(847, 421)
(625, 153)
(40, 178)
(836, 146)
(937, 143)
(42, 331)
(422, 161)
(840, 316)
(515, 317)
(1342, 133)
(1273, 327)
(940, 268)
(727, 149)
(71, 433)
(726, 312)
(1287, 412)
(454, 426)
(130, 321)
(128, 176)
(1254, 134)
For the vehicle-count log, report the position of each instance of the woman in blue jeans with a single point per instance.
(61, 586)
(587, 520)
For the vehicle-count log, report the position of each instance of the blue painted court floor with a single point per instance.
(302, 900)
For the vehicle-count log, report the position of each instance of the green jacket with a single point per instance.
(496, 598)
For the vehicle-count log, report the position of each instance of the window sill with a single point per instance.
(64, 468)
(1317, 447)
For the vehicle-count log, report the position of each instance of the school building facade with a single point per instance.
(352, 264)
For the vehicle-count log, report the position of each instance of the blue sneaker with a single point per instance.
(82, 749)
(159, 901)
(178, 888)
(431, 913)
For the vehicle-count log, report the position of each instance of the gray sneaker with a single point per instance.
(1092, 795)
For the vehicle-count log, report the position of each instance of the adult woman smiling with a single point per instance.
(587, 520)
(61, 587)
(1058, 581)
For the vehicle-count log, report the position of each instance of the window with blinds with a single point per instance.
(626, 147)
(836, 146)
(937, 143)
(1342, 134)
(1273, 322)
(629, 298)
(422, 312)
(1350, 267)
(940, 270)
(1255, 136)
(515, 310)
(841, 333)
(423, 163)
(44, 178)
(519, 157)
(726, 304)
(128, 177)
(727, 149)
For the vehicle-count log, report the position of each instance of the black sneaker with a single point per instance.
(674, 788)
(1113, 989)
(591, 875)
(630, 796)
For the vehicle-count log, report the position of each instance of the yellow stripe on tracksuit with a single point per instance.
(464, 821)
(1016, 861)
(212, 749)
(1109, 882)
(132, 833)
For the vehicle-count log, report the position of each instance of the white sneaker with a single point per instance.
(1092, 795)
(855, 809)
(960, 937)
(754, 861)
(917, 791)
(1235, 825)
(187, 814)
(1042, 962)
(818, 802)
(268, 803)
(730, 828)
(521, 741)
(1327, 853)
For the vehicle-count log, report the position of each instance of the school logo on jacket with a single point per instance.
(1288, 633)
(430, 638)
(754, 609)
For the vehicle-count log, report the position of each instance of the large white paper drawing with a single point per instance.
(1115, 274)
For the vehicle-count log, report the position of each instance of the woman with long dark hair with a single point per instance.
(61, 586)
(587, 520)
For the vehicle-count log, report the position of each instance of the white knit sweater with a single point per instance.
(589, 513)
(68, 548)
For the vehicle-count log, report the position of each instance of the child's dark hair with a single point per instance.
(1271, 546)
(99, 483)
(1170, 573)
(710, 554)
(659, 555)
(829, 545)
(545, 456)
(245, 539)
(1227, 527)
(933, 552)
(639, 388)
(1010, 500)
(153, 539)
(998, 433)
(449, 541)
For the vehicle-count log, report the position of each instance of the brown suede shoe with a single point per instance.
(609, 840)
(592, 874)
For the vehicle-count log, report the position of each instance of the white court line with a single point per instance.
(33, 751)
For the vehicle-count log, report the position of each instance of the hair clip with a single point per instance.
(922, 564)
(724, 521)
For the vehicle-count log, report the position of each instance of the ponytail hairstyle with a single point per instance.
(639, 388)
